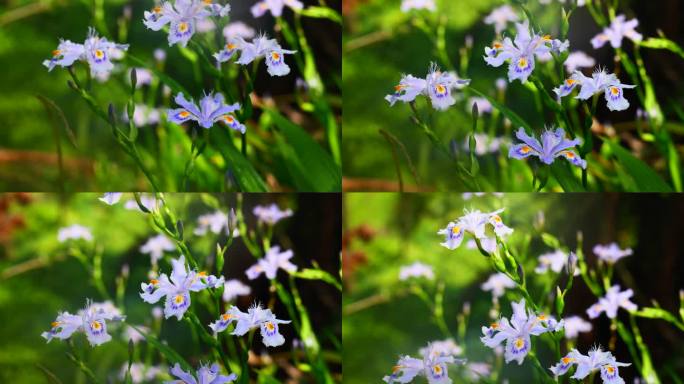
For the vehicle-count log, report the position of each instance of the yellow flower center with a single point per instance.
(522, 63)
(179, 299)
(456, 229)
(226, 316)
(56, 324)
(614, 90)
(525, 149)
(498, 46)
(228, 119)
(494, 325)
(230, 46)
(154, 281)
(570, 81)
(399, 87)
(440, 89)
(183, 27)
(546, 38)
(270, 326)
(99, 53)
(202, 274)
(610, 369)
(95, 325)
(569, 155)
(275, 56)
(157, 9)
(437, 369)
(567, 360)
(497, 218)
(519, 343)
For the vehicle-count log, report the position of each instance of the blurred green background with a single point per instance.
(38, 278)
(384, 231)
(92, 161)
(381, 43)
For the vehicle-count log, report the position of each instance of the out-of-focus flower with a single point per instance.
(497, 283)
(96, 51)
(442, 347)
(437, 86)
(599, 82)
(205, 375)
(587, 364)
(183, 17)
(618, 29)
(216, 223)
(475, 371)
(433, 366)
(407, 5)
(156, 246)
(611, 302)
(500, 17)
(256, 317)
(475, 223)
(484, 144)
(148, 201)
(275, 7)
(262, 46)
(111, 198)
(74, 232)
(159, 54)
(611, 253)
(206, 25)
(177, 289)
(234, 288)
(416, 270)
(141, 373)
(578, 59)
(143, 76)
(271, 214)
(554, 261)
(553, 144)
(574, 325)
(211, 109)
(227, 52)
(238, 29)
(131, 333)
(483, 105)
(91, 321)
(271, 262)
(521, 52)
(516, 333)
(144, 115)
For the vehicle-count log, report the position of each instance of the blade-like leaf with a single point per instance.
(515, 119)
(644, 177)
(246, 176)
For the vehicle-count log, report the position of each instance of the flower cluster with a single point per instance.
(260, 47)
(599, 82)
(433, 366)
(437, 86)
(552, 145)
(256, 317)
(476, 224)
(521, 51)
(182, 17)
(587, 364)
(90, 321)
(96, 51)
(516, 332)
(177, 288)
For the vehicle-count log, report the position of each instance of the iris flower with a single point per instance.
(586, 364)
(211, 109)
(521, 51)
(599, 82)
(96, 51)
(552, 145)
(177, 288)
(90, 320)
(256, 317)
(183, 17)
(437, 86)
(205, 375)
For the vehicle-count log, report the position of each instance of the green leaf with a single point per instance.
(246, 176)
(565, 177)
(322, 13)
(515, 119)
(168, 353)
(644, 177)
(550, 240)
(317, 274)
(663, 43)
(311, 167)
